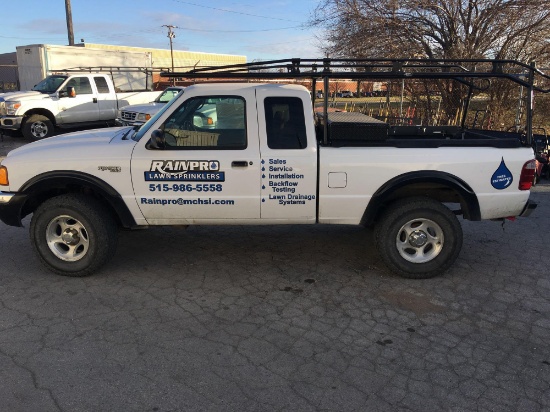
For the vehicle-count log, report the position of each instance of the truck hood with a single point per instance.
(87, 140)
(147, 108)
(22, 95)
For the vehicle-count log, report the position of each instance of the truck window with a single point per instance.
(285, 123)
(81, 85)
(101, 85)
(167, 95)
(209, 122)
(49, 84)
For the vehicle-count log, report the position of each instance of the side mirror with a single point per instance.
(69, 92)
(157, 140)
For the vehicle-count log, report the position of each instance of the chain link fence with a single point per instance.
(9, 80)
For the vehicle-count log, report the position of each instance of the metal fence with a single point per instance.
(9, 80)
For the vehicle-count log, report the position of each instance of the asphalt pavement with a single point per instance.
(279, 318)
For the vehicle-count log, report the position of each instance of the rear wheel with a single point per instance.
(37, 127)
(74, 235)
(418, 238)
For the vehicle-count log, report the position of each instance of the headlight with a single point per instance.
(143, 117)
(11, 107)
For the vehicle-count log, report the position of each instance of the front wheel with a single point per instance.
(74, 235)
(418, 238)
(37, 127)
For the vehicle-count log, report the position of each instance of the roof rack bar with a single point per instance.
(373, 69)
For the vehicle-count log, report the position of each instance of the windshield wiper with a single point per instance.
(127, 133)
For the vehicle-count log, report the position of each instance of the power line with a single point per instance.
(243, 31)
(235, 12)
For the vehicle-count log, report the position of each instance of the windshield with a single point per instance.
(138, 134)
(50, 84)
(167, 95)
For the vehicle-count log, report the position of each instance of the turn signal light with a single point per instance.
(4, 176)
(527, 175)
(209, 121)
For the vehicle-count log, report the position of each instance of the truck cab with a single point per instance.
(245, 152)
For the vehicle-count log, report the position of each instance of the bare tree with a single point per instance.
(518, 29)
(449, 29)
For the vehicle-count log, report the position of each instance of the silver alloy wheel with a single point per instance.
(419, 240)
(67, 238)
(39, 129)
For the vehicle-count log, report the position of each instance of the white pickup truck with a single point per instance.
(65, 101)
(252, 153)
(137, 114)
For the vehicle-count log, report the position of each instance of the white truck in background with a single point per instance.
(137, 114)
(71, 86)
(66, 101)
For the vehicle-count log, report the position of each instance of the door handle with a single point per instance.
(239, 163)
(95, 100)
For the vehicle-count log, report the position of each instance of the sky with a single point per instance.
(257, 29)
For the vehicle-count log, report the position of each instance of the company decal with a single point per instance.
(185, 171)
(282, 184)
(112, 169)
(502, 178)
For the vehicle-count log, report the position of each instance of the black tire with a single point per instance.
(74, 235)
(37, 127)
(426, 222)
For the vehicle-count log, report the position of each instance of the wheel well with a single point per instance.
(438, 186)
(42, 112)
(44, 187)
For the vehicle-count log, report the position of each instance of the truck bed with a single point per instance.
(347, 129)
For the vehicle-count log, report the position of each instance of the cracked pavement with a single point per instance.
(279, 318)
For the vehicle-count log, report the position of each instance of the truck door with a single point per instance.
(83, 107)
(210, 168)
(106, 99)
(288, 157)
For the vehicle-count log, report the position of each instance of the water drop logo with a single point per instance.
(214, 165)
(502, 178)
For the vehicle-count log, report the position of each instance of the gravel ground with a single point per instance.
(279, 318)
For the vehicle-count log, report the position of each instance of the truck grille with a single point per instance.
(129, 116)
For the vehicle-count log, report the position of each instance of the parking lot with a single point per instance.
(279, 318)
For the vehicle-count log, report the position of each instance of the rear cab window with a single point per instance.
(285, 123)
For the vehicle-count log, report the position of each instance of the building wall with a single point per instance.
(182, 59)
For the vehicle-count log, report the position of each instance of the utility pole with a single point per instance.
(171, 35)
(69, 15)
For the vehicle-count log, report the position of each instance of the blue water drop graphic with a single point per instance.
(214, 165)
(502, 178)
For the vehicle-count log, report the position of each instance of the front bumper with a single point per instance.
(11, 122)
(121, 122)
(528, 209)
(11, 205)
